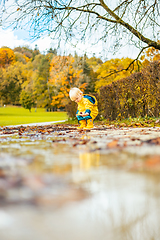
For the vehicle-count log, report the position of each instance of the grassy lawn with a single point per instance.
(11, 115)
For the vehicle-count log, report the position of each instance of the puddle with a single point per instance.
(75, 185)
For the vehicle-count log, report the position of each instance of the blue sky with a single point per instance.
(14, 38)
(19, 37)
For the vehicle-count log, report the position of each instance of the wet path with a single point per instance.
(60, 183)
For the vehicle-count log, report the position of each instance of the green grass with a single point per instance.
(11, 115)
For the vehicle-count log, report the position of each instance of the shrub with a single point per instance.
(136, 95)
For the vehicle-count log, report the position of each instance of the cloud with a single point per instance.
(14, 39)
(43, 44)
(9, 39)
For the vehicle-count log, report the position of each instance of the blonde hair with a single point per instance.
(74, 92)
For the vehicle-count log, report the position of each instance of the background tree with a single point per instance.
(51, 50)
(150, 55)
(64, 74)
(11, 82)
(117, 22)
(27, 52)
(88, 75)
(26, 100)
(42, 89)
(111, 71)
(20, 57)
(94, 63)
(7, 56)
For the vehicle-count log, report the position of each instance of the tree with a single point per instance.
(11, 81)
(128, 21)
(94, 63)
(26, 100)
(26, 51)
(110, 71)
(54, 51)
(64, 74)
(42, 90)
(89, 77)
(19, 57)
(7, 57)
(35, 52)
(151, 54)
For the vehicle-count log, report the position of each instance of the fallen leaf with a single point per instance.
(137, 124)
(122, 124)
(113, 144)
(2, 174)
(155, 141)
(153, 164)
(153, 161)
(157, 121)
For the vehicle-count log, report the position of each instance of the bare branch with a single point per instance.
(126, 1)
(84, 18)
(93, 12)
(130, 28)
(112, 72)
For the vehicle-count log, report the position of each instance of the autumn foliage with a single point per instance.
(136, 95)
(64, 74)
(29, 78)
(7, 57)
(151, 54)
(113, 70)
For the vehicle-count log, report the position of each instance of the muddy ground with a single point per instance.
(58, 182)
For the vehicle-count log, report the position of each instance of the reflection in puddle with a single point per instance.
(89, 159)
(122, 204)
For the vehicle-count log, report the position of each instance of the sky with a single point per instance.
(14, 38)
(19, 37)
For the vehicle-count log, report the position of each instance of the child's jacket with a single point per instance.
(88, 104)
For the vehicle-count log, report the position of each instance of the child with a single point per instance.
(87, 108)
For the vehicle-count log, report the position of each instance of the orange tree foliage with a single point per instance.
(150, 55)
(136, 95)
(7, 57)
(64, 74)
(110, 71)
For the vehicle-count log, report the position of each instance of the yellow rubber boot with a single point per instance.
(89, 124)
(83, 124)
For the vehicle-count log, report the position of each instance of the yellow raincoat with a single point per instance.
(88, 104)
